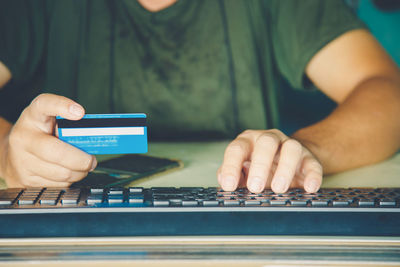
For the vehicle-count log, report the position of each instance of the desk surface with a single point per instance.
(201, 161)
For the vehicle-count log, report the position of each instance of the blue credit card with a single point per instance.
(106, 133)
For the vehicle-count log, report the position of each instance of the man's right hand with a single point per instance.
(32, 156)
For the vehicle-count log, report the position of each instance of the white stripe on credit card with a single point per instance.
(102, 131)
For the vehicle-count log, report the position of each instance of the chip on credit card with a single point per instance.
(106, 133)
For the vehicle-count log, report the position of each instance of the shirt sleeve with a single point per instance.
(22, 36)
(301, 28)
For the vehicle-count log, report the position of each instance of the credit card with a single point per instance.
(106, 133)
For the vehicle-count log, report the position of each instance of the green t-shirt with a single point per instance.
(205, 68)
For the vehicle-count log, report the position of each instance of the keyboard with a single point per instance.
(166, 211)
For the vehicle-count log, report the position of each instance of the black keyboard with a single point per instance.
(135, 211)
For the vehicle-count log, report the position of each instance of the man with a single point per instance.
(198, 68)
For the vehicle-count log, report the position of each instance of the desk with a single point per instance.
(201, 162)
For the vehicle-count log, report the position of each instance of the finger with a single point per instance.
(56, 173)
(50, 105)
(53, 150)
(262, 157)
(313, 173)
(235, 154)
(243, 176)
(290, 156)
(37, 181)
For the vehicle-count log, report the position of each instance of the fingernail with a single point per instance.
(76, 110)
(312, 186)
(94, 164)
(229, 183)
(280, 186)
(256, 184)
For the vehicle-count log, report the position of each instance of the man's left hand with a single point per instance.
(262, 159)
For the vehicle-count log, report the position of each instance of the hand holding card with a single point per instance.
(34, 157)
(106, 133)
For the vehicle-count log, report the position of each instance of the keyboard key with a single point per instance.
(320, 202)
(366, 202)
(136, 200)
(69, 201)
(231, 203)
(5, 202)
(175, 201)
(252, 202)
(278, 202)
(189, 203)
(115, 191)
(298, 202)
(26, 201)
(387, 202)
(91, 201)
(8, 197)
(340, 203)
(135, 189)
(96, 190)
(210, 203)
(48, 201)
(115, 200)
(160, 203)
(94, 199)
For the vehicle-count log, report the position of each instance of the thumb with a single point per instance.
(50, 105)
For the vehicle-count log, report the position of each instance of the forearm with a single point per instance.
(5, 128)
(362, 130)
(5, 75)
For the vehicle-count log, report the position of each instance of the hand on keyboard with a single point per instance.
(268, 159)
(34, 156)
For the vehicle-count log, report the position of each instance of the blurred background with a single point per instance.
(300, 108)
